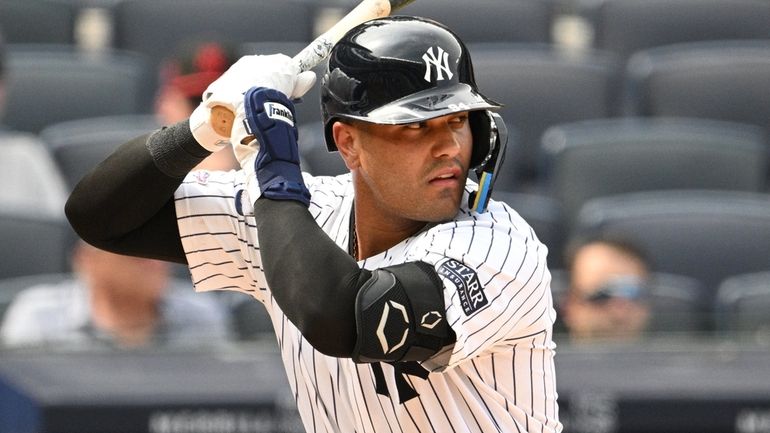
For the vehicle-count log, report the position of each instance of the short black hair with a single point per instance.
(618, 241)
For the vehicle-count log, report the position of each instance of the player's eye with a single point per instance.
(459, 120)
(415, 125)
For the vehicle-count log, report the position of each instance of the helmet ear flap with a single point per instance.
(480, 128)
(491, 139)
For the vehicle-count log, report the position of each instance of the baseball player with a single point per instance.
(403, 298)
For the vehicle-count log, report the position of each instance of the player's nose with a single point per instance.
(445, 139)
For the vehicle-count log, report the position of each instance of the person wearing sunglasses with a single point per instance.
(608, 295)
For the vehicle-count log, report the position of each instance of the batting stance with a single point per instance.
(403, 298)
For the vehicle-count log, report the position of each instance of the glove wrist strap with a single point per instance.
(282, 180)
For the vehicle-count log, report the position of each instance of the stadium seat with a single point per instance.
(33, 243)
(78, 145)
(717, 80)
(312, 148)
(38, 22)
(154, 27)
(491, 20)
(678, 305)
(541, 86)
(627, 26)
(250, 318)
(31, 180)
(707, 235)
(47, 85)
(544, 215)
(743, 303)
(603, 157)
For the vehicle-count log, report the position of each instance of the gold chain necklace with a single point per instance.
(353, 237)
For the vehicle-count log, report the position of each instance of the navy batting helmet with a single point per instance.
(404, 69)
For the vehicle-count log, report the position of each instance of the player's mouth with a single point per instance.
(446, 177)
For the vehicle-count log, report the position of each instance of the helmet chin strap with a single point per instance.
(486, 172)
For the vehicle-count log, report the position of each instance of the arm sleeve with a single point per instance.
(319, 287)
(125, 205)
(323, 311)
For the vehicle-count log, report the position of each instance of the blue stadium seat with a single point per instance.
(157, 27)
(627, 26)
(52, 84)
(544, 214)
(78, 145)
(38, 22)
(743, 304)
(491, 20)
(33, 244)
(603, 157)
(725, 80)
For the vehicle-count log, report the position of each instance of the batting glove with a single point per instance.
(273, 157)
(276, 71)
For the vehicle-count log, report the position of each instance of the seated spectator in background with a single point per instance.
(607, 292)
(29, 176)
(183, 80)
(115, 301)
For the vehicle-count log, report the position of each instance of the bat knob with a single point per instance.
(222, 120)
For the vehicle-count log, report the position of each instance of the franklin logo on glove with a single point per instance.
(277, 111)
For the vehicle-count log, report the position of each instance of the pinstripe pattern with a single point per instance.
(498, 377)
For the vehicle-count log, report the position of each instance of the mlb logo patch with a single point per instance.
(201, 177)
(469, 289)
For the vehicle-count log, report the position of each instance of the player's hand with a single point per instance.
(272, 159)
(276, 71)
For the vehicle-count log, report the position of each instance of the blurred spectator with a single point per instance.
(607, 294)
(114, 301)
(183, 79)
(2, 80)
(28, 173)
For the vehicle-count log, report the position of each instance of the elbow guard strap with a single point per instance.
(400, 315)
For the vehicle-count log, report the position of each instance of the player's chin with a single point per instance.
(444, 207)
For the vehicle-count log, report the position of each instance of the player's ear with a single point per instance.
(346, 138)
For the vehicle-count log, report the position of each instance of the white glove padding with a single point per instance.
(277, 71)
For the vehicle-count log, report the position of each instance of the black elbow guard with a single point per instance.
(400, 315)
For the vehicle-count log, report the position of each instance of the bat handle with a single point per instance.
(221, 119)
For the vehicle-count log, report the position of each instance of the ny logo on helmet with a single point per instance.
(439, 60)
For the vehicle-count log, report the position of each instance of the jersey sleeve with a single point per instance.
(220, 243)
(496, 282)
(219, 233)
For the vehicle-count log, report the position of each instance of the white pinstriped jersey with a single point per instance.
(497, 377)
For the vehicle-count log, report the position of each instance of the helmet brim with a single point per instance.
(429, 104)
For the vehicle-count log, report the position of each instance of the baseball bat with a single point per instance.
(222, 118)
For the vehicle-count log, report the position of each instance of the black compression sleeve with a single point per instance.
(126, 205)
(322, 307)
